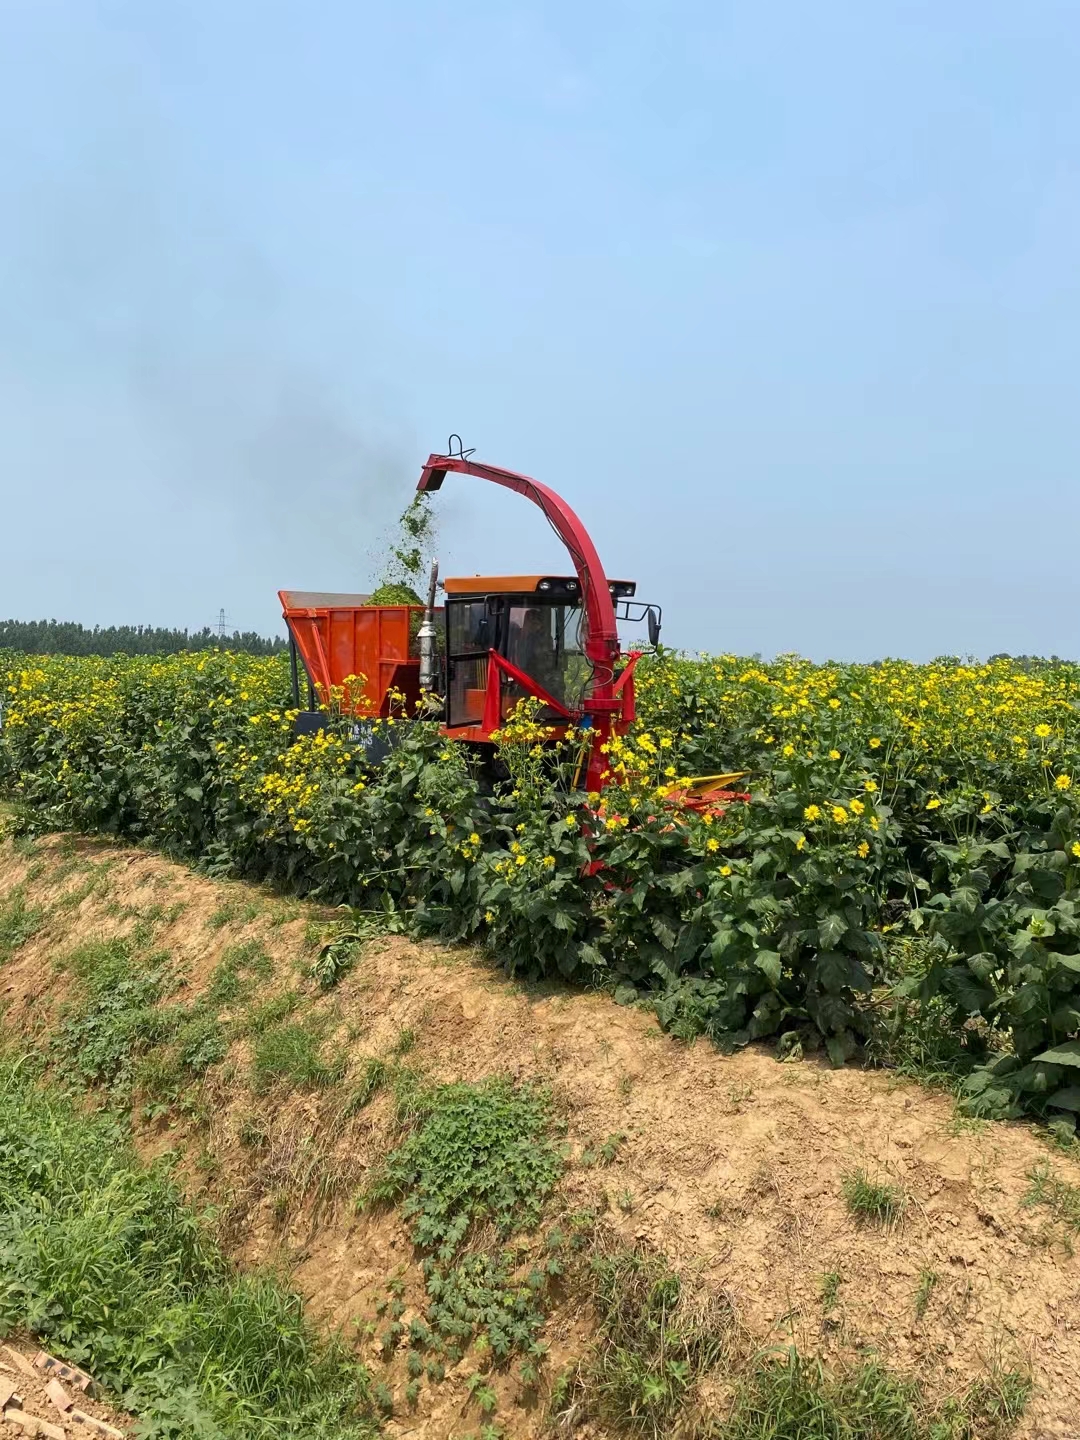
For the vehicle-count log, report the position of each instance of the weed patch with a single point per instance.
(295, 1163)
(101, 1257)
(19, 922)
(370, 1083)
(478, 1162)
(481, 1152)
(246, 959)
(1057, 1195)
(787, 1397)
(656, 1341)
(830, 1289)
(343, 944)
(924, 1290)
(872, 1199)
(201, 1042)
(118, 1018)
(290, 1054)
(269, 1013)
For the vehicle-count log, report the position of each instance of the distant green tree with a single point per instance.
(67, 637)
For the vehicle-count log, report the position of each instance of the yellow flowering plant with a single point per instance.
(887, 799)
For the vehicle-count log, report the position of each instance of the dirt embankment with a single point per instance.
(732, 1167)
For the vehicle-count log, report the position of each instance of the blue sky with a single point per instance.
(784, 299)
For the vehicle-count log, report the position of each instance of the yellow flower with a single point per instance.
(1076, 848)
(839, 815)
(875, 823)
(712, 844)
(549, 861)
(857, 807)
(1063, 782)
(1042, 731)
(875, 743)
(521, 860)
(812, 813)
(834, 704)
(834, 754)
(789, 750)
(474, 839)
(870, 786)
(934, 804)
(863, 850)
(800, 843)
(489, 917)
(725, 870)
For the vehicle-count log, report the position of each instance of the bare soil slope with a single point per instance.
(730, 1166)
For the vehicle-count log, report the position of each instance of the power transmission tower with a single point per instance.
(222, 627)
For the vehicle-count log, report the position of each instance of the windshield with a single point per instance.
(547, 642)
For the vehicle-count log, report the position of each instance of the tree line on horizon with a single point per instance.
(68, 637)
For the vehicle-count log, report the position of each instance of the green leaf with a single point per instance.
(664, 932)
(831, 930)
(983, 965)
(1067, 1053)
(591, 956)
(974, 998)
(722, 940)
(833, 971)
(840, 1047)
(1068, 1098)
(769, 963)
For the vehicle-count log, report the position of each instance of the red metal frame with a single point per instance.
(341, 635)
(610, 705)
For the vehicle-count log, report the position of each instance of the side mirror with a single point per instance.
(652, 615)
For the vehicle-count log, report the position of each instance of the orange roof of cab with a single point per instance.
(496, 584)
(503, 584)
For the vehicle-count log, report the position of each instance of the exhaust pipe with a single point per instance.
(426, 635)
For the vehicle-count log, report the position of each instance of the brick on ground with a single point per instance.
(57, 1368)
(99, 1427)
(21, 1361)
(59, 1396)
(33, 1424)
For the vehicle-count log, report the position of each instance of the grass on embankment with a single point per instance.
(659, 1337)
(101, 1257)
(104, 1260)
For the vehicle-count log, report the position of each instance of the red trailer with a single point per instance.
(344, 636)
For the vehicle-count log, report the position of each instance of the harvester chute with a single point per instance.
(550, 638)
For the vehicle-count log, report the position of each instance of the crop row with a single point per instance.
(889, 803)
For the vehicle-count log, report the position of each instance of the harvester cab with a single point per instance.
(552, 638)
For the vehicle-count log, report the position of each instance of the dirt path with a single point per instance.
(731, 1166)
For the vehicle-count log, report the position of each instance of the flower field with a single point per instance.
(909, 854)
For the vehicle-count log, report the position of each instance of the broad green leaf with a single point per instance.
(768, 961)
(831, 930)
(833, 971)
(1068, 1053)
(840, 1047)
